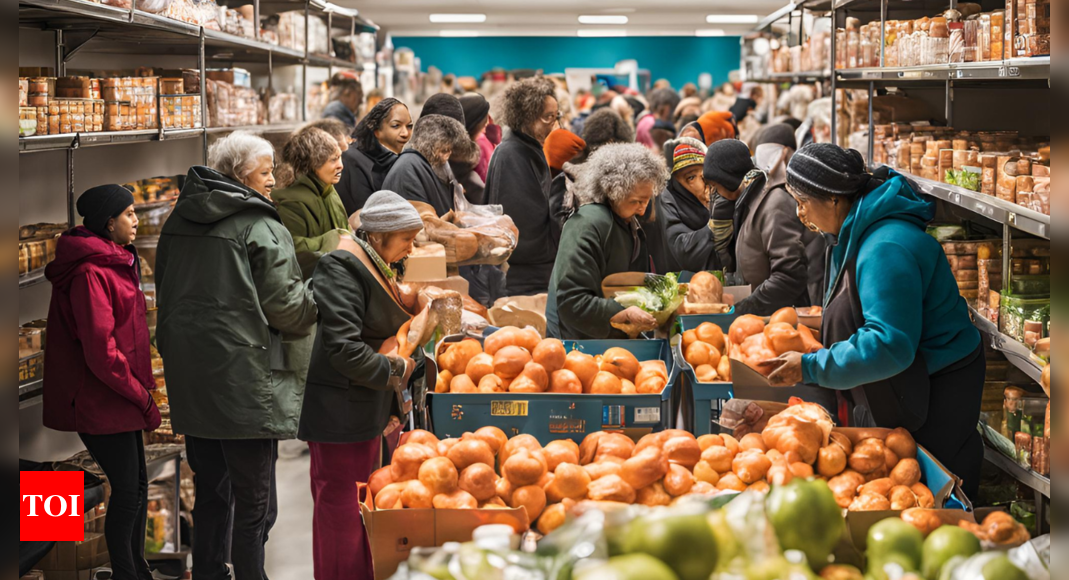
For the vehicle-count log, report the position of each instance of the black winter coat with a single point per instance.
(363, 176)
(687, 235)
(519, 180)
(413, 178)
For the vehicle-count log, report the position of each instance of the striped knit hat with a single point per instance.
(688, 153)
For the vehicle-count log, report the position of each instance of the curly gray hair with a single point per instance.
(237, 155)
(614, 171)
(524, 102)
(437, 137)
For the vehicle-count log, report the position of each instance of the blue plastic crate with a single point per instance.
(551, 416)
(702, 395)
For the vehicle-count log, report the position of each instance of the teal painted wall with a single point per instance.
(680, 59)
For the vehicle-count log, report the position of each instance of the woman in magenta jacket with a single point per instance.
(98, 372)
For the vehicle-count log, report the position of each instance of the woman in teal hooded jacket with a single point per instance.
(903, 349)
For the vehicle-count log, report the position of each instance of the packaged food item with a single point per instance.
(1016, 311)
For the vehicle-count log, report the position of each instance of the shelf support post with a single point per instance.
(256, 18)
(70, 187)
(872, 126)
(61, 62)
(883, 33)
(834, 74)
(202, 63)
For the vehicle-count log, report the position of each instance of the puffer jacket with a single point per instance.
(233, 312)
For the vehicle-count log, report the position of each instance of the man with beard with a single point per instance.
(422, 171)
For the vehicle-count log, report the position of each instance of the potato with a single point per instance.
(550, 354)
(645, 468)
(606, 384)
(711, 334)
(533, 379)
(407, 460)
(527, 339)
(784, 338)
(706, 374)
(653, 495)
(510, 361)
(565, 381)
(705, 288)
(416, 495)
(701, 353)
(532, 498)
(462, 384)
(558, 452)
(479, 480)
(469, 452)
(902, 443)
(458, 500)
(479, 366)
(751, 466)
(689, 338)
(583, 366)
(445, 378)
(621, 363)
(683, 451)
(493, 437)
(492, 384)
(744, 327)
(457, 356)
(627, 387)
(786, 316)
(524, 468)
(439, 475)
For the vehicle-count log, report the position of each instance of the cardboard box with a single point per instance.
(73, 556)
(393, 533)
(858, 524)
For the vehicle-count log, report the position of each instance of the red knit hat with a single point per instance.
(716, 126)
(561, 147)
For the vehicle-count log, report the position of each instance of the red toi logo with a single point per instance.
(52, 506)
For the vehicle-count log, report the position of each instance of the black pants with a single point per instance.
(122, 457)
(236, 505)
(950, 432)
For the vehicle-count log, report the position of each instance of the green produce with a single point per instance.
(632, 567)
(1002, 569)
(944, 544)
(893, 541)
(727, 546)
(807, 518)
(659, 295)
(684, 542)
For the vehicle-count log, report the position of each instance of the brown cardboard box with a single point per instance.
(70, 556)
(393, 533)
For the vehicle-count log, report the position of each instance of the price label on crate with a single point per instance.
(613, 416)
(508, 408)
(647, 415)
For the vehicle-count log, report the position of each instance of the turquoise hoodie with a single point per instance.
(909, 297)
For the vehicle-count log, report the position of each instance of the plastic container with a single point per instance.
(552, 416)
(1030, 285)
(1016, 311)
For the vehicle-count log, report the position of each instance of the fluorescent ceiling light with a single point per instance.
(604, 19)
(732, 19)
(600, 33)
(458, 18)
(709, 32)
(459, 33)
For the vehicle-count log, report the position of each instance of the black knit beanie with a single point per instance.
(100, 204)
(727, 162)
(824, 171)
(781, 134)
(446, 105)
(476, 109)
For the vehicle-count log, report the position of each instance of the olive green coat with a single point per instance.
(314, 215)
(232, 308)
(595, 244)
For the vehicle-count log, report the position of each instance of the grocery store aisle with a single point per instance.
(289, 551)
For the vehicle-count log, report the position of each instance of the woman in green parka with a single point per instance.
(310, 207)
(604, 237)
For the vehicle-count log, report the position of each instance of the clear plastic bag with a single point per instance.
(153, 6)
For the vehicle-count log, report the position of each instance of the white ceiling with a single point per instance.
(559, 17)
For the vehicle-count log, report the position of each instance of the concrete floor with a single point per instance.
(289, 551)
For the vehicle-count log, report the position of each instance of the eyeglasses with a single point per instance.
(556, 118)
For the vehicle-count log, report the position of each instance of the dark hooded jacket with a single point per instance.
(413, 178)
(233, 313)
(363, 176)
(687, 235)
(98, 372)
(519, 180)
(777, 256)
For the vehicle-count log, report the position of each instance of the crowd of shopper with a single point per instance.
(277, 317)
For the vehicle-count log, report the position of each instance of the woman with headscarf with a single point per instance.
(519, 180)
(356, 376)
(711, 127)
(379, 138)
(476, 120)
(310, 207)
(98, 373)
(902, 346)
(604, 237)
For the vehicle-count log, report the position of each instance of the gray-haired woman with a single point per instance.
(356, 371)
(604, 237)
(232, 304)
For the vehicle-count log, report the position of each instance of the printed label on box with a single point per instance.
(613, 416)
(508, 408)
(647, 415)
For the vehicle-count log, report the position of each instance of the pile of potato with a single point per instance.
(867, 470)
(749, 340)
(520, 361)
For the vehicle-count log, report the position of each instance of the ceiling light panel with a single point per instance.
(601, 33)
(458, 18)
(603, 19)
(732, 19)
(709, 32)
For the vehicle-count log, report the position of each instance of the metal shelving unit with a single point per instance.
(30, 394)
(992, 208)
(32, 278)
(1018, 354)
(1037, 68)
